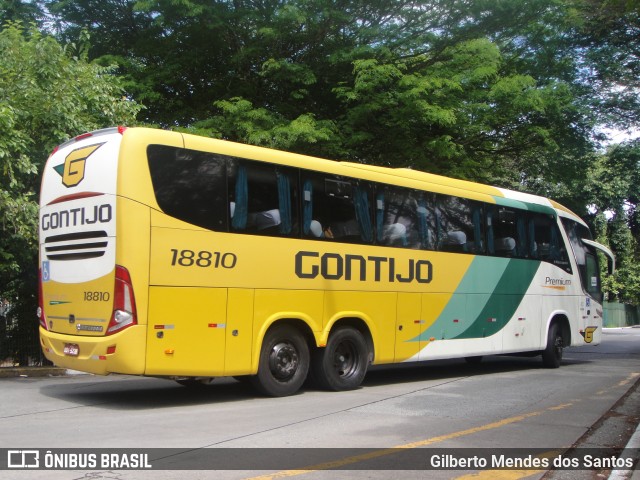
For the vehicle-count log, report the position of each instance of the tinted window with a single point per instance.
(190, 185)
(336, 208)
(402, 218)
(547, 242)
(460, 225)
(586, 257)
(262, 198)
(507, 232)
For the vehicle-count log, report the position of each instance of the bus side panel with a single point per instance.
(408, 325)
(239, 332)
(186, 331)
(523, 332)
(133, 249)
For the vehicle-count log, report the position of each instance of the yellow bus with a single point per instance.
(172, 255)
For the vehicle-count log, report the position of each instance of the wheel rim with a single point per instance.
(283, 361)
(345, 359)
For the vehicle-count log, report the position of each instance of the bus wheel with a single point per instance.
(284, 362)
(343, 363)
(552, 354)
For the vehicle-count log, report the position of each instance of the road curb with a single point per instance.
(630, 451)
(617, 429)
(13, 372)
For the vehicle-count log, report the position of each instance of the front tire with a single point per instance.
(284, 362)
(343, 363)
(552, 354)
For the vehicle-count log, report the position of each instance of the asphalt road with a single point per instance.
(502, 403)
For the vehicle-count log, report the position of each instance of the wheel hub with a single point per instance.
(283, 361)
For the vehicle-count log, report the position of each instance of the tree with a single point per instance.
(25, 12)
(608, 34)
(613, 194)
(48, 92)
(483, 90)
(508, 92)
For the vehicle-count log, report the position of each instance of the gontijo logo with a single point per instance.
(72, 170)
(588, 334)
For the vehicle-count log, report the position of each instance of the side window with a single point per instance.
(336, 208)
(592, 276)
(190, 185)
(262, 198)
(401, 218)
(547, 242)
(460, 225)
(586, 258)
(507, 232)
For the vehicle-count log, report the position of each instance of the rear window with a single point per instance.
(190, 185)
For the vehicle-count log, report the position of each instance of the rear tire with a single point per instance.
(552, 354)
(343, 363)
(284, 362)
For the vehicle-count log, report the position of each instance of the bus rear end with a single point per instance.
(87, 310)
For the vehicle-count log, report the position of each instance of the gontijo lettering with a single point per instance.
(334, 266)
(76, 217)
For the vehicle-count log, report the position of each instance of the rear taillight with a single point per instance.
(124, 303)
(40, 312)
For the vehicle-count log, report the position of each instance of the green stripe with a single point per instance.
(531, 207)
(504, 300)
(485, 300)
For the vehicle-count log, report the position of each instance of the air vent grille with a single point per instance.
(76, 246)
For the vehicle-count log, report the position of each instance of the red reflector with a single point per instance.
(102, 357)
(75, 196)
(121, 129)
(111, 350)
(83, 136)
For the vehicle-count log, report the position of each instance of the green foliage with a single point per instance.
(613, 193)
(506, 92)
(47, 93)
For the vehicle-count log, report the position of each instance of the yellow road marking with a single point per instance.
(510, 474)
(500, 475)
(629, 379)
(493, 474)
(421, 443)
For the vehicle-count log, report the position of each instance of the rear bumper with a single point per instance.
(128, 351)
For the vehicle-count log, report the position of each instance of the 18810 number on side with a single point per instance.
(203, 259)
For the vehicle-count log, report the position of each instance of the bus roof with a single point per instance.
(399, 176)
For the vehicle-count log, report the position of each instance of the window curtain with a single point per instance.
(363, 215)
(491, 245)
(239, 221)
(284, 203)
(307, 206)
(379, 215)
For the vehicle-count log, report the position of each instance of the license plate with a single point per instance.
(71, 349)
